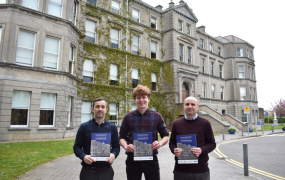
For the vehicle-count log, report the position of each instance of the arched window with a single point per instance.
(185, 91)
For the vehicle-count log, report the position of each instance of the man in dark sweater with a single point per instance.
(191, 123)
(91, 169)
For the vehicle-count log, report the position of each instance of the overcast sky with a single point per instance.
(260, 23)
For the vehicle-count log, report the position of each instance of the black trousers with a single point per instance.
(191, 176)
(135, 169)
(88, 174)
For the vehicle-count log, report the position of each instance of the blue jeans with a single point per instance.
(135, 169)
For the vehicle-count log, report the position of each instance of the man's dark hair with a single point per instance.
(100, 99)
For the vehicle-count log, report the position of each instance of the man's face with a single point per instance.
(190, 107)
(142, 101)
(99, 109)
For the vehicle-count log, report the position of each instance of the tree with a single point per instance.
(279, 108)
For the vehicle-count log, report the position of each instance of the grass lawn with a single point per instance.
(19, 158)
(268, 127)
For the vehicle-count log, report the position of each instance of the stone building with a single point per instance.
(56, 56)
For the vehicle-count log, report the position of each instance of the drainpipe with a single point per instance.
(209, 66)
(127, 24)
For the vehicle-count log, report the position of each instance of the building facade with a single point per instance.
(57, 56)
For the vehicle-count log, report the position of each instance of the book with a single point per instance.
(186, 142)
(143, 146)
(100, 146)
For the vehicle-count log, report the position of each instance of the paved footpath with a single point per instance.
(68, 167)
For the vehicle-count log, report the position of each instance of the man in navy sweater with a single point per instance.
(191, 123)
(91, 169)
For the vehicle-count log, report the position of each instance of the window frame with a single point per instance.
(55, 4)
(135, 77)
(211, 47)
(181, 52)
(114, 9)
(112, 39)
(87, 70)
(212, 68)
(135, 45)
(153, 25)
(242, 89)
(222, 93)
(153, 54)
(221, 71)
(112, 113)
(18, 108)
(37, 8)
(71, 60)
(202, 43)
(136, 19)
(189, 29)
(84, 110)
(25, 48)
(180, 25)
(114, 79)
(48, 109)
(204, 90)
(219, 51)
(153, 81)
(203, 65)
(189, 55)
(241, 72)
(213, 91)
(239, 52)
(69, 111)
(90, 32)
(74, 12)
(89, 1)
(51, 53)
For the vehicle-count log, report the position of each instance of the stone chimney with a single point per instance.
(202, 29)
(159, 7)
(171, 4)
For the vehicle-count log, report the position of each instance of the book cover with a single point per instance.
(143, 146)
(100, 146)
(186, 142)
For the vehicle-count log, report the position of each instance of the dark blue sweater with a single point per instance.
(83, 140)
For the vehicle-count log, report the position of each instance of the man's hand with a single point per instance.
(156, 145)
(196, 151)
(178, 151)
(130, 148)
(88, 159)
(111, 158)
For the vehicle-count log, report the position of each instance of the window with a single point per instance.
(115, 7)
(153, 23)
(247, 53)
(71, 59)
(254, 94)
(86, 112)
(202, 43)
(135, 77)
(94, 2)
(244, 116)
(113, 111)
(69, 111)
(203, 65)
(221, 71)
(74, 12)
(136, 15)
(113, 74)
(153, 81)
(189, 29)
(239, 52)
(222, 93)
(25, 48)
(135, 46)
(88, 71)
(54, 7)
(249, 73)
(20, 108)
(253, 76)
(134, 107)
(51, 52)
(241, 71)
(47, 109)
(219, 51)
(189, 55)
(211, 47)
(180, 25)
(181, 46)
(153, 49)
(250, 93)
(90, 28)
(242, 91)
(213, 91)
(114, 38)
(33, 4)
(250, 54)
(212, 68)
(203, 90)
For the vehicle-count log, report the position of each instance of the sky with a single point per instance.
(260, 23)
